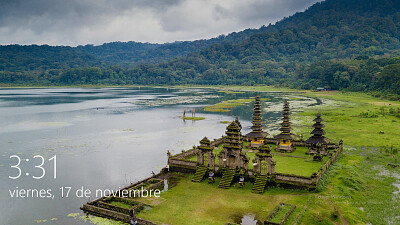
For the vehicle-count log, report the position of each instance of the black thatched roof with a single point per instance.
(318, 120)
(318, 125)
(316, 140)
(284, 136)
(257, 134)
(285, 129)
(318, 132)
(205, 141)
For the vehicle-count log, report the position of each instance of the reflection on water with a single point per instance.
(104, 138)
(248, 219)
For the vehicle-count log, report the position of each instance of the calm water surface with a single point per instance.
(103, 139)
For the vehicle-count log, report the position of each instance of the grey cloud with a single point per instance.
(74, 22)
(255, 11)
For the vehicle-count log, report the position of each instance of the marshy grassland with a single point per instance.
(357, 189)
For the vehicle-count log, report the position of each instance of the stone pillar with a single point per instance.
(221, 162)
(271, 166)
(257, 160)
(211, 159)
(245, 163)
(200, 158)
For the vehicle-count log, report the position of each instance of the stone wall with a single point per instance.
(217, 142)
(106, 213)
(191, 152)
(293, 179)
(127, 187)
(113, 207)
(112, 214)
(275, 210)
(180, 162)
(186, 154)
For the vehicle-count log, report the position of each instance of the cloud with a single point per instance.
(75, 22)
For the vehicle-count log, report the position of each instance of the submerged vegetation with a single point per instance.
(226, 106)
(193, 118)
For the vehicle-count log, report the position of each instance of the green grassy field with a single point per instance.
(297, 166)
(203, 203)
(280, 213)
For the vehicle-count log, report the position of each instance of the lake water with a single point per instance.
(103, 139)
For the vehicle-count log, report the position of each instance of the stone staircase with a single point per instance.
(260, 183)
(201, 172)
(227, 179)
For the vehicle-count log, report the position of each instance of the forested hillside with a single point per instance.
(19, 58)
(337, 44)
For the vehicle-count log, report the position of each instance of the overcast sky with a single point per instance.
(80, 22)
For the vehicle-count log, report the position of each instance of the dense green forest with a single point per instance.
(337, 44)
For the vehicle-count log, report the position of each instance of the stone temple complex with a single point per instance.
(251, 157)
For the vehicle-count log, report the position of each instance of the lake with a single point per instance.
(103, 138)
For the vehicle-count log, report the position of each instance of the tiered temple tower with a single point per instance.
(318, 141)
(231, 155)
(257, 135)
(238, 122)
(285, 137)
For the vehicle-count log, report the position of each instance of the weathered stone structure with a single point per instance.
(257, 135)
(205, 149)
(232, 156)
(263, 162)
